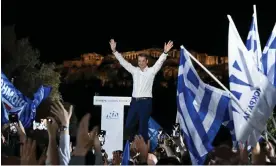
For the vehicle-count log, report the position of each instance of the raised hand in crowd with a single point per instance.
(61, 113)
(243, 153)
(52, 127)
(180, 143)
(3, 139)
(141, 148)
(167, 46)
(105, 159)
(270, 151)
(96, 144)
(117, 158)
(83, 142)
(28, 153)
(52, 153)
(21, 131)
(63, 116)
(113, 45)
(96, 141)
(258, 155)
(132, 150)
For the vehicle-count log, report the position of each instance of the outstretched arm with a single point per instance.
(128, 66)
(158, 64)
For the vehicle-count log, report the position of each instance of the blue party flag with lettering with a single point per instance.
(14, 102)
(153, 133)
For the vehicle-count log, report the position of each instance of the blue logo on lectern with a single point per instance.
(112, 115)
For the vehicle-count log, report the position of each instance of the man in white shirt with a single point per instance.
(143, 77)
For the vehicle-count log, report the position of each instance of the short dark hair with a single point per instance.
(143, 55)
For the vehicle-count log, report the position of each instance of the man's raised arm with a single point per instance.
(128, 66)
(158, 64)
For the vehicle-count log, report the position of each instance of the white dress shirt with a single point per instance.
(142, 80)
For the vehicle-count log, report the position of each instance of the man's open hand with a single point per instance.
(168, 46)
(113, 45)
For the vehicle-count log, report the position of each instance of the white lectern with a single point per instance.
(112, 121)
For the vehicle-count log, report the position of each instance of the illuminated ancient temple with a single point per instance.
(106, 68)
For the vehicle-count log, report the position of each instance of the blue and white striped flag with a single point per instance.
(229, 123)
(253, 41)
(269, 57)
(201, 109)
(255, 94)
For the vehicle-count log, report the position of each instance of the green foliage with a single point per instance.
(21, 60)
(48, 76)
(270, 126)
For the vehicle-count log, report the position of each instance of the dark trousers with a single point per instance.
(140, 110)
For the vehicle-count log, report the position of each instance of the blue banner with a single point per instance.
(153, 133)
(14, 102)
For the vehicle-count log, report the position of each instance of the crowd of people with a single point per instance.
(22, 148)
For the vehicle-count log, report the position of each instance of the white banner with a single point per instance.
(112, 121)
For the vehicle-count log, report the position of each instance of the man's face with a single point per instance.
(142, 62)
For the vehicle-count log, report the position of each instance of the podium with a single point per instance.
(112, 121)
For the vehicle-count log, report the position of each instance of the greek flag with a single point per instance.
(269, 57)
(255, 95)
(229, 123)
(201, 109)
(253, 41)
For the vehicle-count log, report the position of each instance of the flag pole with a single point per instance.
(210, 74)
(266, 135)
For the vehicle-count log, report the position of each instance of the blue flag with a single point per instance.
(153, 133)
(14, 102)
(126, 154)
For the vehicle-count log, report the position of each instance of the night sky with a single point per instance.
(63, 31)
